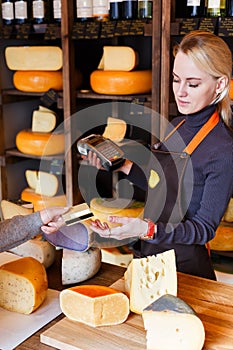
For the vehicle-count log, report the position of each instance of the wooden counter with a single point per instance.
(213, 301)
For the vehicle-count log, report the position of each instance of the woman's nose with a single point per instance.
(181, 90)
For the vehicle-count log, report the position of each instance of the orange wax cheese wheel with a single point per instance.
(37, 81)
(34, 58)
(94, 305)
(23, 285)
(121, 83)
(39, 143)
(42, 202)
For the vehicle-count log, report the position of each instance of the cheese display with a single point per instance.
(102, 208)
(23, 285)
(40, 143)
(10, 209)
(170, 323)
(120, 256)
(38, 249)
(28, 58)
(79, 266)
(37, 81)
(42, 182)
(115, 129)
(121, 83)
(149, 278)
(41, 202)
(119, 58)
(95, 305)
(43, 120)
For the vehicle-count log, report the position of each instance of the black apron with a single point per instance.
(168, 200)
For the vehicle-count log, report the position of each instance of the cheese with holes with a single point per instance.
(121, 83)
(41, 58)
(170, 323)
(38, 249)
(43, 121)
(94, 305)
(37, 81)
(149, 278)
(79, 266)
(42, 182)
(10, 209)
(23, 285)
(40, 143)
(42, 202)
(119, 58)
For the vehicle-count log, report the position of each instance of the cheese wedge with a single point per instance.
(171, 323)
(115, 129)
(94, 305)
(149, 278)
(23, 285)
(42, 182)
(120, 256)
(42, 202)
(118, 58)
(223, 239)
(43, 121)
(79, 266)
(27, 58)
(37, 81)
(10, 209)
(228, 216)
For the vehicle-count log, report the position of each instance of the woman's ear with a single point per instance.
(221, 85)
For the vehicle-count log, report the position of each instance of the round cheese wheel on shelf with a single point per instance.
(39, 143)
(37, 81)
(41, 202)
(223, 239)
(121, 83)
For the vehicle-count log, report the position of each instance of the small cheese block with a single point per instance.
(10, 209)
(102, 208)
(79, 266)
(120, 256)
(149, 278)
(42, 182)
(121, 83)
(223, 239)
(37, 81)
(40, 143)
(43, 121)
(118, 58)
(23, 285)
(94, 305)
(38, 249)
(228, 216)
(171, 323)
(115, 129)
(41, 58)
(42, 202)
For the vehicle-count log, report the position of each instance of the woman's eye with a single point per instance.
(193, 85)
(175, 80)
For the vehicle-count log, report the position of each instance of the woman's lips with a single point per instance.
(182, 103)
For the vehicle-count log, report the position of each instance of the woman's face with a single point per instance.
(193, 88)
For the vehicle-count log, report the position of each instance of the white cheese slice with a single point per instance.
(115, 129)
(118, 58)
(149, 278)
(42, 182)
(43, 121)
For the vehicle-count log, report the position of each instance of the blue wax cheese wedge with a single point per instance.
(77, 213)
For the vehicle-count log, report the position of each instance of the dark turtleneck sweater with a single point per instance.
(212, 165)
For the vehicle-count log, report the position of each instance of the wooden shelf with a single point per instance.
(14, 152)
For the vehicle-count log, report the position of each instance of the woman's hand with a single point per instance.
(130, 227)
(52, 218)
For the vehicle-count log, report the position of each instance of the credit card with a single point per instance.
(77, 213)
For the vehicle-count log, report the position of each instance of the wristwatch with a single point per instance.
(149, 235)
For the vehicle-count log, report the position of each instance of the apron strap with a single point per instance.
(202, 133)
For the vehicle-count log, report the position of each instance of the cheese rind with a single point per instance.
(94, 305)
(149, 278)
(34, 58)
(172, 324)
(10, 209)
(37, 81)
(23, 285)
(42, 202)
(118, 58)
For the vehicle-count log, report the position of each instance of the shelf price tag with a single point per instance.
(137, 27)
(108, 29)
(225, 27)
(23, 31)
(208, 24)
(188, 25)
(6, 31)
(92, 30)
(122, 28)
(78, 31)
(53, 31)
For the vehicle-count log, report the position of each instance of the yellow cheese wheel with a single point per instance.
(41, 202)
(121, 83)
(23, 285)
(223, 239)
(34, 57)
(39, 143)
(37, 81)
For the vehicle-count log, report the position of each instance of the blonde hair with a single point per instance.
(211, 54)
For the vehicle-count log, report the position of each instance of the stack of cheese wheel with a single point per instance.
(117, 74)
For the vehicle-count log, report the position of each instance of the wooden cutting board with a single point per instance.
(213, 301)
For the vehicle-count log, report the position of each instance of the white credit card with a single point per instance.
(77, 213)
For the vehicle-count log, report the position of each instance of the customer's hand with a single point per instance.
(52, 218)
(130, 228)
(95, 161)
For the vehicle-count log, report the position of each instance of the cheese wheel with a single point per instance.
(94, 305)
(37, 81)
(119, 58)
(223, 239)
(10, 209)
(39, 143)
(79, 266)
(23, 285)
(42, 202)
(149, 278)
(121, 83)
(102, 208)
(47, 58)
(171, 323)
